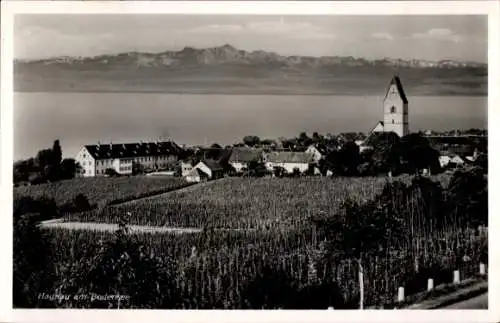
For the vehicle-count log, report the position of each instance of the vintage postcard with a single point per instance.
(322, 161)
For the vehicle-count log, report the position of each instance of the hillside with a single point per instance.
(226, 69)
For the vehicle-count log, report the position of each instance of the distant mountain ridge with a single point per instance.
(228, 70)
(229, 54)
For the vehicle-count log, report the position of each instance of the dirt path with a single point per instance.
(92, 226)
(186, 189)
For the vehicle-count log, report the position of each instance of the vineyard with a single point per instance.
(265, 269)
(313, 237)
(101, 191)
(245, 202)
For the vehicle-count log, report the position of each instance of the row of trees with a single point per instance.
(47, 166)
(388, 153)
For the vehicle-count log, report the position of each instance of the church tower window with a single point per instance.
(393, 109)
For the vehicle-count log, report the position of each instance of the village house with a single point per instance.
(289, 161)
(444, 161)
(241, 157)
(186, 168)
(196, 175)
(205, 170)
(96, 159)
(317, 151)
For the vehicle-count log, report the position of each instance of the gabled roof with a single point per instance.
(376, 137)
(395, 80)
(244, 155)
(290, 157)
(130, 150)
(197, 172)
(375, 126)
(212, 164)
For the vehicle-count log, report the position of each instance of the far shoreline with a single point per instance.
(238, 93)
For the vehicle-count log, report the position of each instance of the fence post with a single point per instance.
(456, 277)
(482, 269)
(401, 294)
(430, 284)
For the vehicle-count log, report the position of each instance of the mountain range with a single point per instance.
(226, 69)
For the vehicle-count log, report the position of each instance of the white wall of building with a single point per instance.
(238, 166)
(289, 167)
(315, 152)
(87, 162)
(204, 168)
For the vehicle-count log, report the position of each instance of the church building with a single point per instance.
(395, 111)
(395, 107)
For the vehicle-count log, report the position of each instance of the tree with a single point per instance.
(57, 153)
(386, 152)
(416, 154)
(467, 197)
(317, 138)
(137, 168)
(373, 221)
(251, 140)
(31, 262)
(256, 168)
(111, 172)
(216, 146)
(349, 158)
(69, 168)
(23, 169)
(279, 171)
(81, 203)
(43, 159)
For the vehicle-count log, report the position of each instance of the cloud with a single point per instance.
(298, 30)
(439, 34)
(215, 29)
(384, 36)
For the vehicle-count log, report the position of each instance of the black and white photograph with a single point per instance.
(249, 161)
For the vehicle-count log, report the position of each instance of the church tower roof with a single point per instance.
(395, 80)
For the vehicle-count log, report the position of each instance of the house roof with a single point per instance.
(244, 155)
(197, 172)
(131, 150)
(212, 164)
(395, 80)
(290, 157)
(376, 137)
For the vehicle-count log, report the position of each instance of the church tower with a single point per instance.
(396, 108)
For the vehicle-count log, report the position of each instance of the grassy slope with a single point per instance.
(246, 202)
(101, 190)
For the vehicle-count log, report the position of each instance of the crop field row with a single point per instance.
(245, 202)
(101, 191)
(227, 269)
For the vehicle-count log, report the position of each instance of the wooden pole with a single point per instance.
(430, 284)
(456, 277)
(401, 294)
(361, 286)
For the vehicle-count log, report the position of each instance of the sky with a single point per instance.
(408, 37)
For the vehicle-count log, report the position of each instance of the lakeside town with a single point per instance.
(326, 155)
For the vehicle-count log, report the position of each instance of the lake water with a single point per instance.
(85, 118)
